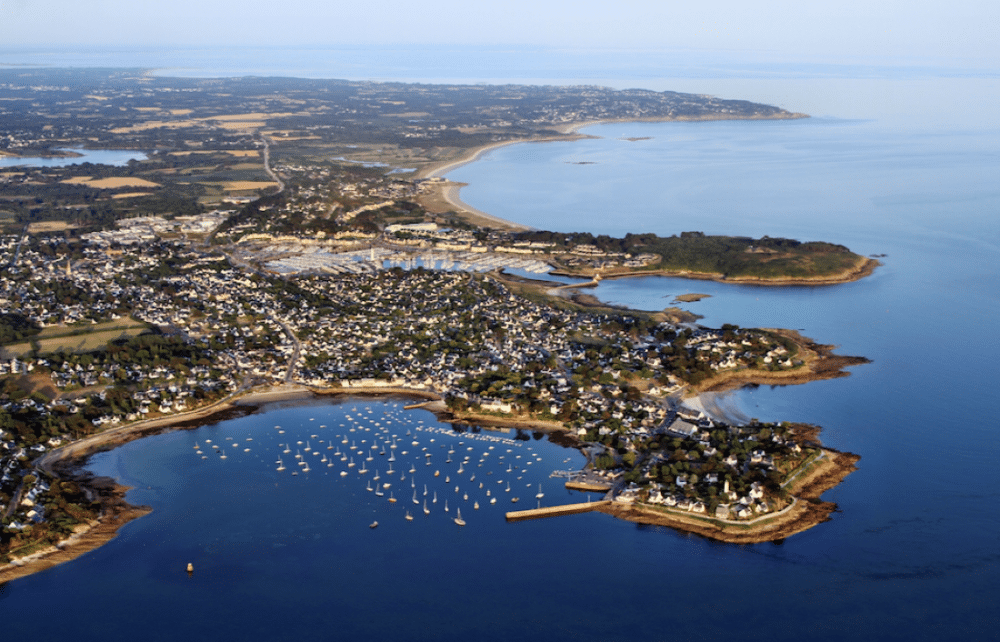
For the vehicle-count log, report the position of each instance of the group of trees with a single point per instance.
(16, 327)
(729, 255)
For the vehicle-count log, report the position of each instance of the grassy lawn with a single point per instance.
(84, 338)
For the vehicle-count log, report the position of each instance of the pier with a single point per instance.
(554, 511)
(589, 486)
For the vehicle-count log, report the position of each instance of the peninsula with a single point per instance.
(278, 239)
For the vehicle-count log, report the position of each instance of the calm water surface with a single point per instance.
(97, 156)
(912, 554)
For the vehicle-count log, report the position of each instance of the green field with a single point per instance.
(84, 338)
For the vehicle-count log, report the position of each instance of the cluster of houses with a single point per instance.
(713, 454)
(454, 333)
(24, 507)
(147, 229)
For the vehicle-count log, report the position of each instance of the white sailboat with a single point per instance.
(458, 517)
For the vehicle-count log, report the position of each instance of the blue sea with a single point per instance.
(900, 165)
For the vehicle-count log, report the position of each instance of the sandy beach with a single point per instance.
(446, 195)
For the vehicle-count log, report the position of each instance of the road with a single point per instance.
(267, 165)
(295, 353)
(17, 252)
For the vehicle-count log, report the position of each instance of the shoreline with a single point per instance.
(865, 267)
(68, 463)
(806, 511)
(449, 191)
(819, 363)
(569, 132)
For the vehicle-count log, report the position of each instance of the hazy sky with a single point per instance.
(958, 33)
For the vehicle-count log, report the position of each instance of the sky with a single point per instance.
(954, 34)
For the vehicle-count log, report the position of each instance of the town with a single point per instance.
(249, 240)
(99, 334)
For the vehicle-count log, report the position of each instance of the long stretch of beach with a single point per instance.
(447, 195)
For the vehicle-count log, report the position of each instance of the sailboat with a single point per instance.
(427, 511)
(391, 498)
(458, 517)
(540, 493)
(281, 466)
(409, 517)
(415, 500)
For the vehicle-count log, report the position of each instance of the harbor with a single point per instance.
(298, 258)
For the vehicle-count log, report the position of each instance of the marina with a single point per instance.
(299, 258)
(456, 459)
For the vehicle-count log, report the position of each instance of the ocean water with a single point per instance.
(912, 553)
